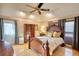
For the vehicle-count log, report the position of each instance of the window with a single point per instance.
(68, 32)
(69, 28)
(9, 29)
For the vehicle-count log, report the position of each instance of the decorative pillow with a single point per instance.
(49, 34)
(56, 34)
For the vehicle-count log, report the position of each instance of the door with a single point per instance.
(29, 30)
(69, 32)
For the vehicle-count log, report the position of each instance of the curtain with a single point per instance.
(0, 28)
(16, 34)
(61, 25)
(76, 34)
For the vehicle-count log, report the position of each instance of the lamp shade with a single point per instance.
(54, 28)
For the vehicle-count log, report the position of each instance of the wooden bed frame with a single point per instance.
(39, 47)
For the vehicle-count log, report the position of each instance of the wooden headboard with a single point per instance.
(38, 46)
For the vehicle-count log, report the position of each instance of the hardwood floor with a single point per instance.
(22, 50)
(65, 51)
(5, 49)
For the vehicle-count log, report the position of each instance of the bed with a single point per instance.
(45, 45)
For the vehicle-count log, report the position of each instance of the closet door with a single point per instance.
(29, 29)
(32, 30)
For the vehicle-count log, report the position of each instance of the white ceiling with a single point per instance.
(59, 10)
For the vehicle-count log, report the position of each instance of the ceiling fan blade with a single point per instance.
(33, 11)
(45, 9)
(30, 6)
(40, 5)
(39, 12)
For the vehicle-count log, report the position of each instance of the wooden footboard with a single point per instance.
(39, 47)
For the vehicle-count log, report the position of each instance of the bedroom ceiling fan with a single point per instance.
(37, 8)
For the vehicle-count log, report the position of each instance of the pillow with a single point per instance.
(49, 34)
(56, 34)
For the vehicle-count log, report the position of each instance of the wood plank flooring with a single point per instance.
(5, 49)
(22, 50)
(66, 51)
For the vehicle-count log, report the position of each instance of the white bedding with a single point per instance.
(53, 41)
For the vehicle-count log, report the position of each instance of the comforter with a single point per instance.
(54, 42)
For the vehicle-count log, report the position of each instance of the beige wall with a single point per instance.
(42, 26)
